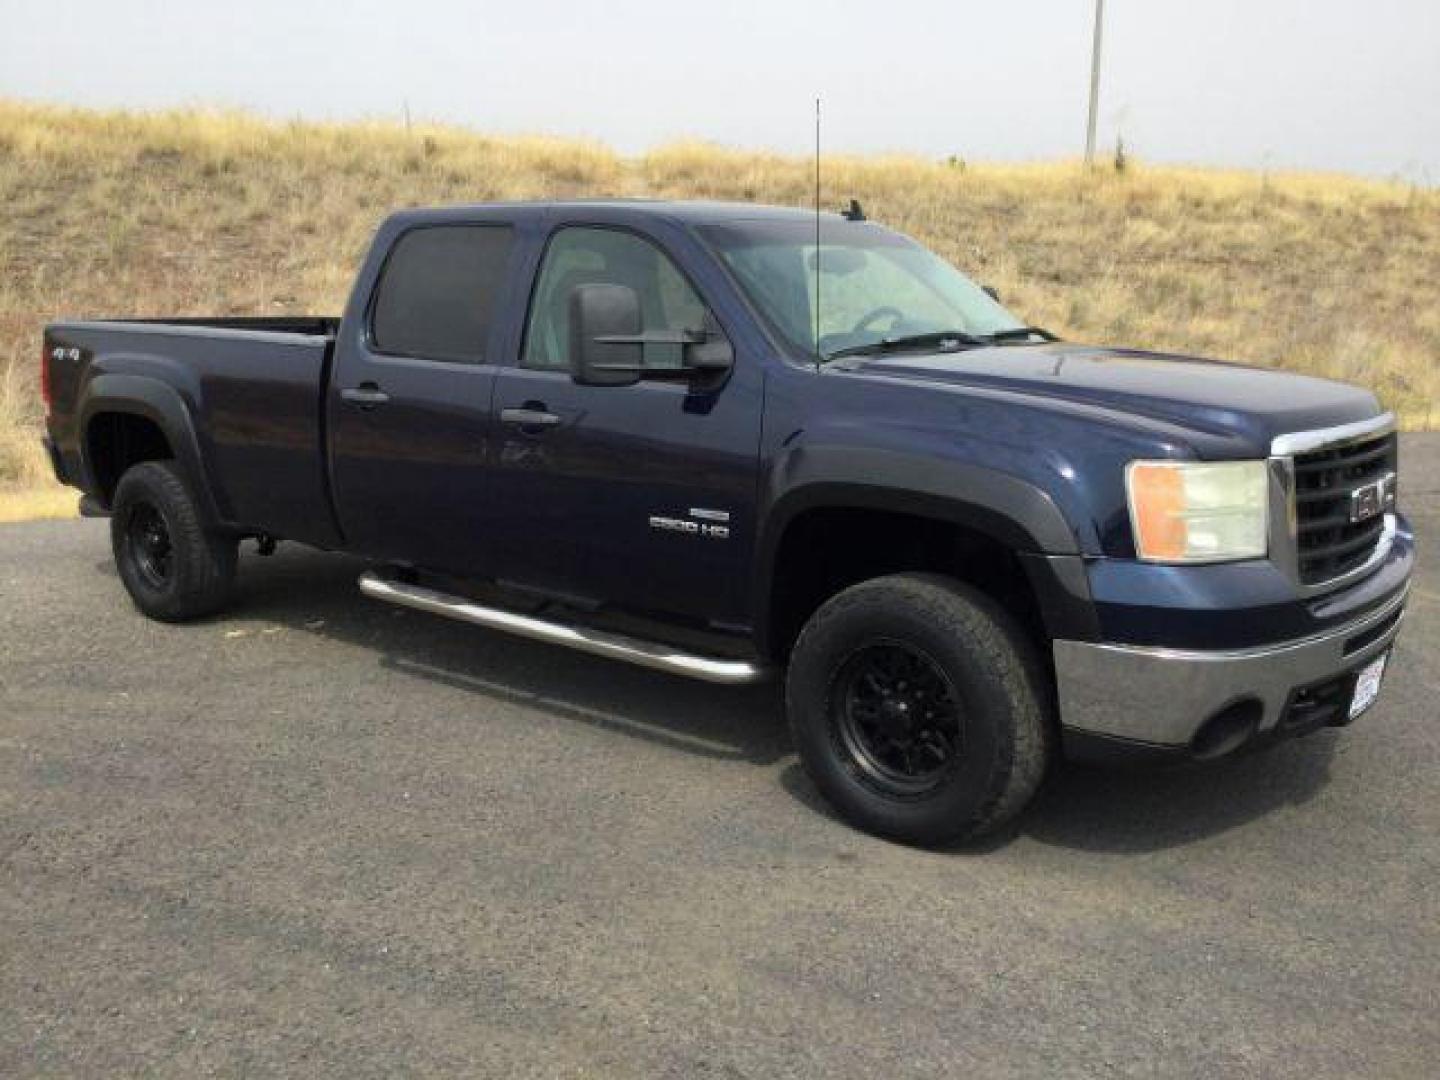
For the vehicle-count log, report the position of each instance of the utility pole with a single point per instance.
(1094, 83)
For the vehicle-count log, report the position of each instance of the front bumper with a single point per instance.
(1150, 701)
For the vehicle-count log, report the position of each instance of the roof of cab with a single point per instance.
(682, 211)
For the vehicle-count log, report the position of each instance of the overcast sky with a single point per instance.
(1349, 85)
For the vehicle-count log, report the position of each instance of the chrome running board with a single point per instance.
(599, 642)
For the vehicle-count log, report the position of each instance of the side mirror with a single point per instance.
(601, 318)
(607, 342)
(991, 292)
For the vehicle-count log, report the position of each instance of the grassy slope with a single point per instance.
(196, 213)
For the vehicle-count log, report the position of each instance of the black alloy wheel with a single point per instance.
(920, 708)
(898, 716)
(148, 539)
(172, 565)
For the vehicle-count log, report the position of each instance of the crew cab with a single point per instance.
(733, 442)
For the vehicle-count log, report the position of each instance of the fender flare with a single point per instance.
(138, 395)
(1011, 511)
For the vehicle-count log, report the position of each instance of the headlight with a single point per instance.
(1198, 511)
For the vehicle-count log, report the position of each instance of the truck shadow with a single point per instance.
(1103, 810)
(311, 592)
(1083, 809)
(1133, 812)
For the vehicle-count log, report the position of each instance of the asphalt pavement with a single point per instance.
(323, 836)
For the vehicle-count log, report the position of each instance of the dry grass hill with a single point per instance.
(111, 213)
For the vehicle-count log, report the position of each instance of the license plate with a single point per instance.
(1367, 686)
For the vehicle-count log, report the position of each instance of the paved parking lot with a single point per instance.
(324, 836)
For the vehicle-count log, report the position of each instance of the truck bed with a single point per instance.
(255, 388)
(317, 325)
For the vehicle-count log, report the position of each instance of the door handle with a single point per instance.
(365, 396)
(531, 416)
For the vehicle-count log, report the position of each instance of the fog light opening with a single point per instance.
(1228, 730)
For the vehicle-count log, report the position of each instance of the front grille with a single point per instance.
(1373, 634)
(1330, 544)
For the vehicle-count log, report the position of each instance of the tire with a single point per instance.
(919, 709)
(172, 567)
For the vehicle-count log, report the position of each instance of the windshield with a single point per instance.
(874, 284)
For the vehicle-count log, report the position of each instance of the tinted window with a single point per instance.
(585, 256)
(439, 289)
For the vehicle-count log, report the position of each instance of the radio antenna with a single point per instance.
(818, 357)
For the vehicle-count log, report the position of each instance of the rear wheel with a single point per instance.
(172, 567)
(919, 709)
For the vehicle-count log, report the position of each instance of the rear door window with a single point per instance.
(439, 291)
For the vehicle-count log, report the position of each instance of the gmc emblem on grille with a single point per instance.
(1367, 501)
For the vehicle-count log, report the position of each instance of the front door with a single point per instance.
(642, 495)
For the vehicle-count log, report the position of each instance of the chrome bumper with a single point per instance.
(1164, 696)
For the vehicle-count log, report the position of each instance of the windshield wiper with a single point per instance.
(1020, 333)
(946, 340)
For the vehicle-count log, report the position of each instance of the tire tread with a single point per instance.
(204, 560)
(1004, 648)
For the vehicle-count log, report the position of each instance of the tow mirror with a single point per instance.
(608, 345)
(599, 315)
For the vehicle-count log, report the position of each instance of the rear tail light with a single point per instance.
(45, 393)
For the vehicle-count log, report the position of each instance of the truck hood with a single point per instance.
(1203, 397)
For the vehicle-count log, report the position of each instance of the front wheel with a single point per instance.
(919, 709)
(172, 566)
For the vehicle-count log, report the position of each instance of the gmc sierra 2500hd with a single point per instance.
(623, 427)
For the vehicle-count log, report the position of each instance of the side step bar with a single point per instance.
(602, 643)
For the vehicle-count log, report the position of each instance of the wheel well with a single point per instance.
(116, 441)
(826, 550)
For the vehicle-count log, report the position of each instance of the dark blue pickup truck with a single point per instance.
(727, 440)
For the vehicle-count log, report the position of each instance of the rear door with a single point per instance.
(642, 495)
(409, 403)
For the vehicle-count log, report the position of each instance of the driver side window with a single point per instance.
(583, 255)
